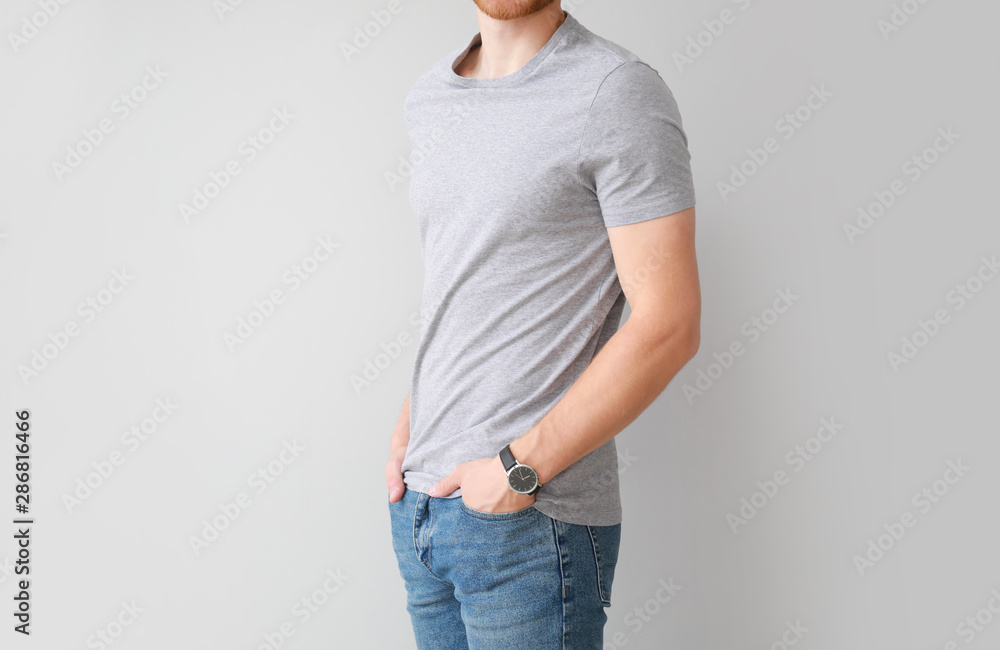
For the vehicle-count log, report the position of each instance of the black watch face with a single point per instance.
(522, 479)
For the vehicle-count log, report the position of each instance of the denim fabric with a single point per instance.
(478, 580)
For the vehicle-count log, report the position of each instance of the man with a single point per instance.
(554, 183)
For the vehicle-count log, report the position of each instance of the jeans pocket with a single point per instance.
(496, 516)
(605, 541)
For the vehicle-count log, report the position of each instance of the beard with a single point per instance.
(511, 9)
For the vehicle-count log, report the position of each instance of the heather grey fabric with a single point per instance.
(514, 183)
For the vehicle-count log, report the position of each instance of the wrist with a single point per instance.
(527, 450)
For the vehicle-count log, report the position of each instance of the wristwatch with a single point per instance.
(521, 478)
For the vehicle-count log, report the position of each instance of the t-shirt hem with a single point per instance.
(591, 518)
(421, 482)
(600, 518)
(636, 215)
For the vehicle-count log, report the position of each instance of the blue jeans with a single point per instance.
(480, 580)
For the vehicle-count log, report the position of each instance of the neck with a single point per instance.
(509, 44)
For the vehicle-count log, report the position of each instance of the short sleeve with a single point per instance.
(634, 153)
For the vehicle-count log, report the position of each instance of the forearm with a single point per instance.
(401, 434)
(624, 378)
(397, 451)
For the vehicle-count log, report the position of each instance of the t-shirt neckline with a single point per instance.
(518, 74)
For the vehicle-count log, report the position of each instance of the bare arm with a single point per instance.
(397, 449)
(655, 260)
(656, 263)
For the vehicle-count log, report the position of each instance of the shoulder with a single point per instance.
(634, 82)
(613, 69)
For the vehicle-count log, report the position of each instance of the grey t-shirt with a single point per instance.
(514, 183)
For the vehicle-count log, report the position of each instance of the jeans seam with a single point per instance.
(597, 563)
(416, 551)
(413, 531)
(562, 582)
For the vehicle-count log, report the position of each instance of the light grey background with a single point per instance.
(692, 458)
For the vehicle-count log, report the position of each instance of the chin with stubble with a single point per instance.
(511, 9)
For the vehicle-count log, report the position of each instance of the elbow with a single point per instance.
(692, 339)
(677, 337)
(688, 336)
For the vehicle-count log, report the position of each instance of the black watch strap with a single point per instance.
(507, 458)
